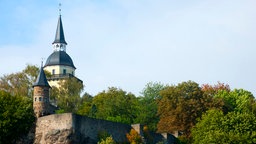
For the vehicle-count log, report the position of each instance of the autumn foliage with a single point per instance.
(133, 137)
(181, 105)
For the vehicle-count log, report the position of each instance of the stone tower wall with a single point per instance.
(41, 103)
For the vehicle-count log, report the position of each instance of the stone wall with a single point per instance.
(72, 128)
(54, 128)
(90, 128)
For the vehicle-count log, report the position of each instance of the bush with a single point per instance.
(133, 137)
(16, 116)
(108, 140)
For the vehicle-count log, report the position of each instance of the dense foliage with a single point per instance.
(180, 106)
(236, 124)
(202, 114)
(134, 137)
(147, 105)
(113, 104)
(108, 140)
(67, 96)
(234, 127)
(16, 116)
(20, 83)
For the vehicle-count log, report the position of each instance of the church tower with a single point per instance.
(41, 102)
(59, 63)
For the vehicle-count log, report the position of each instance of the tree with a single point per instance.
(67, 96)
(216, 127)
(237, 124)
(115, 105)
(31, 73)
(20, 83)
(179, 107)
(238, 100)
(15, 84)
(133, 137)
(16, 116)
(147, 110)
(211, 90)
(86, 107)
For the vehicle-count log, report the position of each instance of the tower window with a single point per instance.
(35, 99)
(53, 71)
(64, 71)
(40, 98)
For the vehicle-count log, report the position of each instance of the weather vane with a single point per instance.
(60, 8)
(42, 62)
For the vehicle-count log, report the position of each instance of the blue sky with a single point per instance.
(129, 43)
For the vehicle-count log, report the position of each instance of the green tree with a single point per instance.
(67, 96)
(15, 84)
(147, 110)
(115, 105)
(20, 83)
(216, 127)
(237, 100)
(31, 73)
(237, 124)
(16, 116)
(86, 107)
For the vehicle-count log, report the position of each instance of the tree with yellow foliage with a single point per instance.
(133, 137)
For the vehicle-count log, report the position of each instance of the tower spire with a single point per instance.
(59, 42)
(59, 36)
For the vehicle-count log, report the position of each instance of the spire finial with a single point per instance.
(42, 62)
(60, 8)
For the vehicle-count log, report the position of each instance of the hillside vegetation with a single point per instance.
(201, 114)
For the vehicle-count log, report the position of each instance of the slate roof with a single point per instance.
(41, 79)
(59, 36)
(59, 58)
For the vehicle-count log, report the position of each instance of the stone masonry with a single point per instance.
(70, 128)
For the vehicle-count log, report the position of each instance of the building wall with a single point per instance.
(59, 69)
(54, 83)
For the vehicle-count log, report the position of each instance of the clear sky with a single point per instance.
(128, 43)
